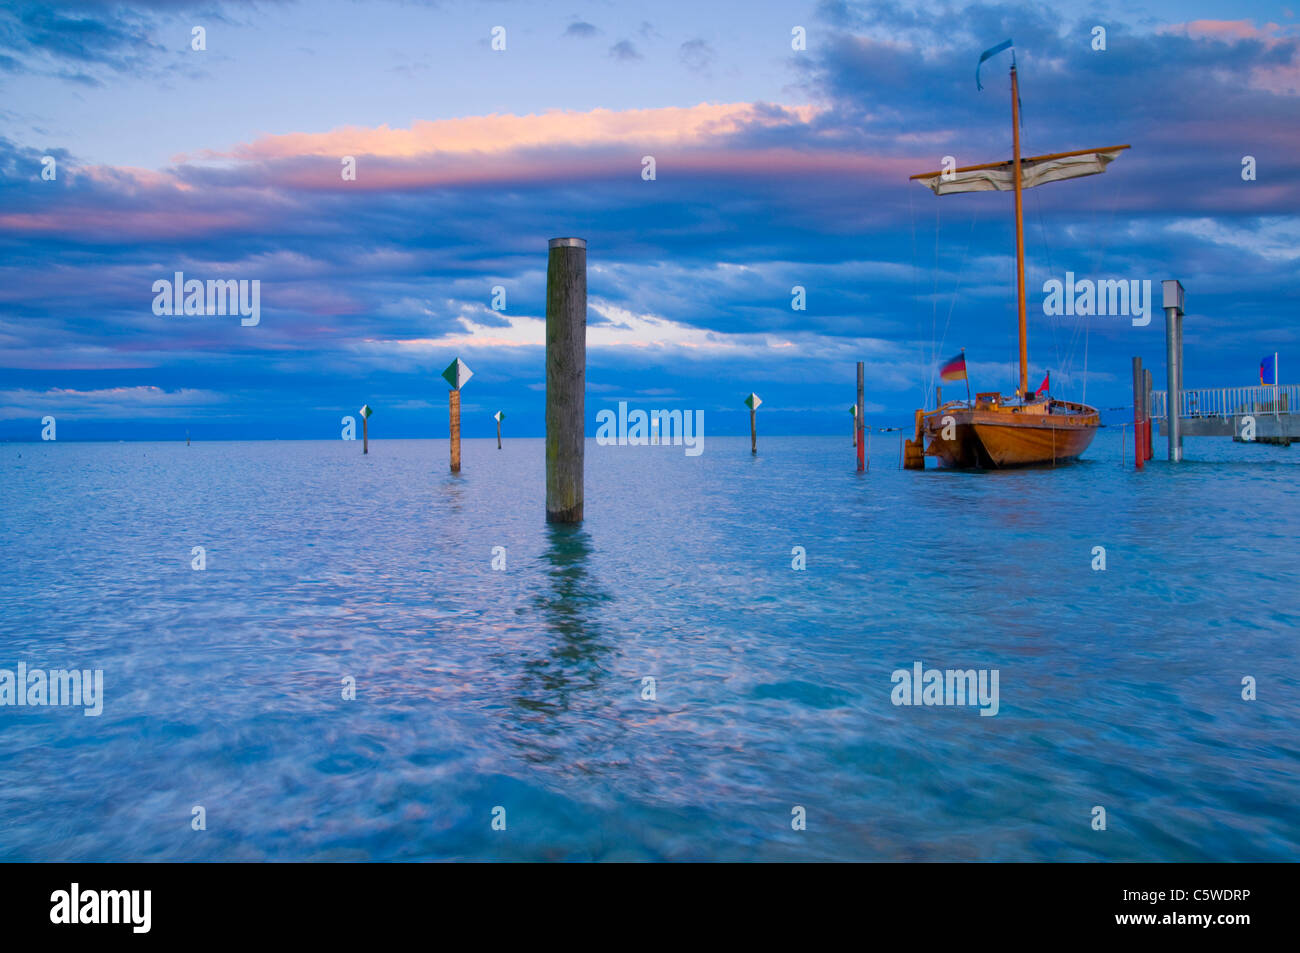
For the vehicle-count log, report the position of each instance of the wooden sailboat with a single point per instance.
(994, 430)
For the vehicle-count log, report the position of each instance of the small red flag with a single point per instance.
(1045, 386)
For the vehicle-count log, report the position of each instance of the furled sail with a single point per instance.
(1036, 170)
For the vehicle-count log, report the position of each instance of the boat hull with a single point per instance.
(996, 436)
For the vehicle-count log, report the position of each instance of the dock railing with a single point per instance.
(1229, 401)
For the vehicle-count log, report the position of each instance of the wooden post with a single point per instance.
(365, 413)
(853, 412)
(498, 416)
(456, 374)
(453, 406)
(566, 377)
(187, 438)
(914, 450)
(857, 430)
(752, 402)
(1139, 414)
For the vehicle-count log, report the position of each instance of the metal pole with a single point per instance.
(566, 378)
(1146, 406)
(1173, 402)
(858, 423)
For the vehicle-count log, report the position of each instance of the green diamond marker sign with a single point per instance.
(498, 416)
(752, 401)
(365, 411)
(457, 373)
(853, 411)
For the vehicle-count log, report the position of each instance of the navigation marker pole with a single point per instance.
(365, 413)
(498, 417)
(752, 402)
(456, 374)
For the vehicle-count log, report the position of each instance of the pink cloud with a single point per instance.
(1282, 79)
(499, 133)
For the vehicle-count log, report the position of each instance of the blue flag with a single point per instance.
(1268, 370)
(990, 52)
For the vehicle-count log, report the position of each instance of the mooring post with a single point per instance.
(1173, 304)
(1146, 404)
(861, 403)
(566, 377)
(1139, 414)
(365, 413)
(456, 374)
(498, 417)
(187, 438)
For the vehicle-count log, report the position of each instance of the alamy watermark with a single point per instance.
(640, 428)
(931, 686)
(181, 296)
(82, 688)
(1115, 297)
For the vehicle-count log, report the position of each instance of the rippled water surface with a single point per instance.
(523, 688)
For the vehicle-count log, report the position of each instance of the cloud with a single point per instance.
(697, 54)
(625, 50)
(34, 37)
(582, 29)
(114, 402)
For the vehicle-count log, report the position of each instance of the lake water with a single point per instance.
(523, 689)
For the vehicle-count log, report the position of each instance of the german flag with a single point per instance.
(955, 369)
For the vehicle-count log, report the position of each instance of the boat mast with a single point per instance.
(1020, 233)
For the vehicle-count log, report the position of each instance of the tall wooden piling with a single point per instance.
(365, 413)
(498, 417)
(857, 431)
(566, 378)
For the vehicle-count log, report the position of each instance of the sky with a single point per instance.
(128, 155)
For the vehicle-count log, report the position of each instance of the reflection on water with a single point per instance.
(566, 661)
(520, 687)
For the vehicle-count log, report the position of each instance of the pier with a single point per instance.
(1229, 411)
(1255, 414)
